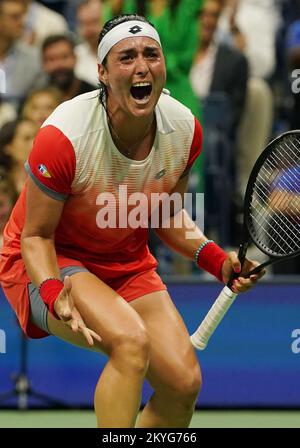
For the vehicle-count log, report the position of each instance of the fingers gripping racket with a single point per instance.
(271, 219)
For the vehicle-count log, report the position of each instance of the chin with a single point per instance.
(142, 113)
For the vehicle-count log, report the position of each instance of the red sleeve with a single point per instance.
(51, 163)
(195, 148)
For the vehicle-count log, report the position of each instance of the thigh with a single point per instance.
(172, 356)
(102, 309)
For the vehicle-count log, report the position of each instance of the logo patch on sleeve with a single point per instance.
(43, 170)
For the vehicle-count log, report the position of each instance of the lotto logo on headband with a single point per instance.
(135, 29)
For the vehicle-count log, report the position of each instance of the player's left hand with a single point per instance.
(240, 284)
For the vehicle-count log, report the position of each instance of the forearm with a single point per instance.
(189, 241)
(178, 238)
(40, 260)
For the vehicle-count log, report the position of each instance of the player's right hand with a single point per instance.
(68, 313)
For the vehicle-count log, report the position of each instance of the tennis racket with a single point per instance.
(271, 219)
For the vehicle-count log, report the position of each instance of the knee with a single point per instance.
(187, 385)
(131, 351)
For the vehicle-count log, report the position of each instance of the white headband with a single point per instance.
(131, 28)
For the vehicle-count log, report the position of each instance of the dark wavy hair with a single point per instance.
(109, 25)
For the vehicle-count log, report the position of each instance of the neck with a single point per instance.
(129, 129)
(133, 136)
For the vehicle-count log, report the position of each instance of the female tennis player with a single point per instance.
(67, 274)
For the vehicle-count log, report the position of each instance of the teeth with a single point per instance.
(141, 84)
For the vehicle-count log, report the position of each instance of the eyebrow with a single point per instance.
(131, 50)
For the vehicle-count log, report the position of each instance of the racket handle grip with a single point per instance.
(214, 316)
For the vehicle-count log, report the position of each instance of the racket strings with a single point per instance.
(274, 210)
(281, 215)
(273, 243)
(288, 185)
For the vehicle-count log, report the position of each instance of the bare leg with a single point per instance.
(125, 341)
(174, 372)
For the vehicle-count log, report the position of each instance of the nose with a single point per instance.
(141, 66)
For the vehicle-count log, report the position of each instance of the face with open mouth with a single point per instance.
(135, 75)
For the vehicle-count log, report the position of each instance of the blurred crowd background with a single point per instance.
(234, 63)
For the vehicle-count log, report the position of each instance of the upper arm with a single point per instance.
(51, 167)
(51, 163)
(42, 213)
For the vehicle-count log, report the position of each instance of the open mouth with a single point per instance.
(141, 90)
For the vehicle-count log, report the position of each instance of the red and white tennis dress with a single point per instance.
(75, 160)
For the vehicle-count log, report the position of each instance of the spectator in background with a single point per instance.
(67, 8)
(251, 26)
(42, 22)
(290, 10)
(19, 62)
(89, 18)
(40, 103)
(218, 67)
(59, 61)
(7, 112)
(112, 8)
(219, 78)
(257, 22)
(16, 139)
(293, 58)
(57, 5)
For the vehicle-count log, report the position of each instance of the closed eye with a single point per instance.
(151, 54)
(126, 57)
